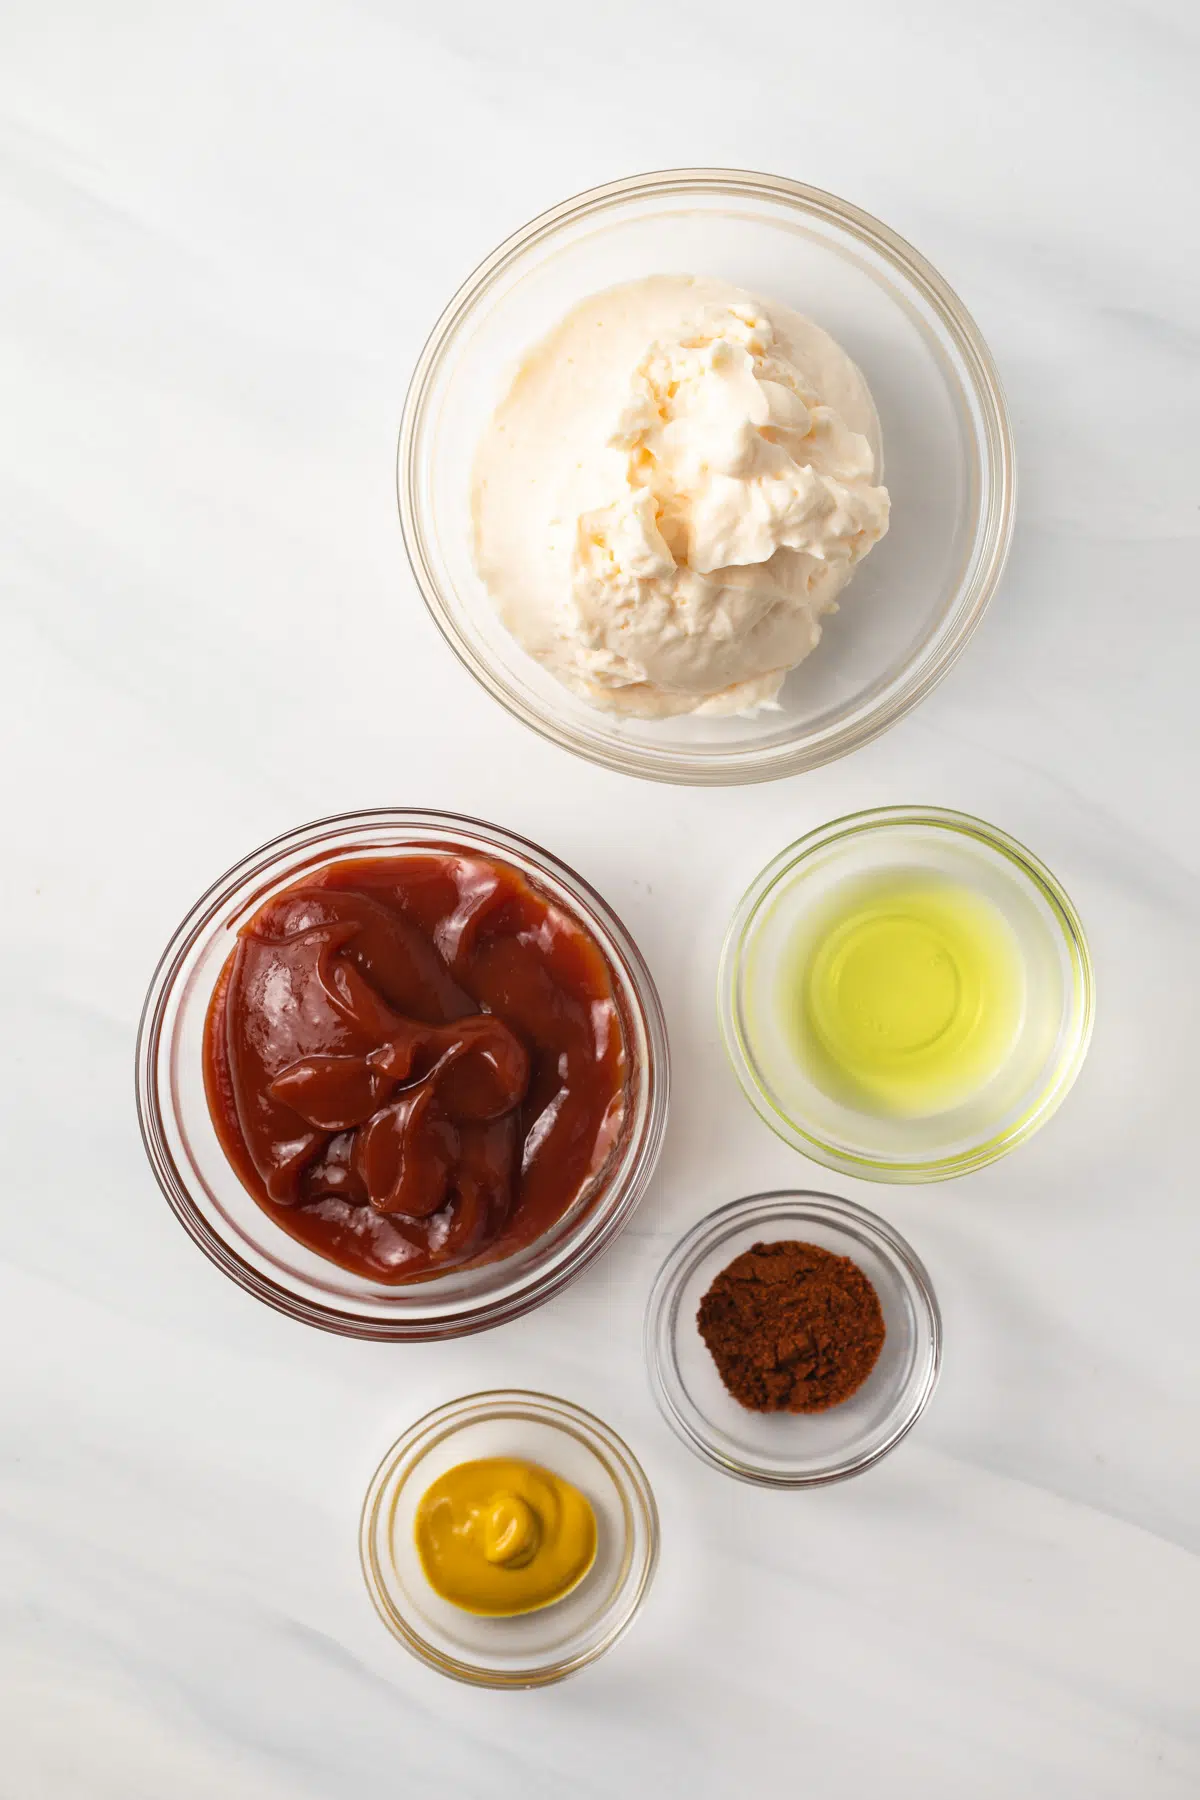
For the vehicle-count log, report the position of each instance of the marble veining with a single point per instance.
(224, 234)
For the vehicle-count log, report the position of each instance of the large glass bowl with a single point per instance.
(532, 1649)
(229, 1225)
(1054, 1021)
(914, 601)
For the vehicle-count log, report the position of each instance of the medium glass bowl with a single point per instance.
(225, 1220)
(792, 1450)
(535, 1648)
(914, 601)
(1051, 1039)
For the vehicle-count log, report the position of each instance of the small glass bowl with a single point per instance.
(535, 1648)
(229, 1225)
(950, 462)
(1051, 1040)
(793, 1450)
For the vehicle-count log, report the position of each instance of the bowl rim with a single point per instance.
(252, 873)
(607, 1445)
(1066, 1067)
(997, 500)
(662, 1313)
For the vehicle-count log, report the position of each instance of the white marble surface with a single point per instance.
(224, 231)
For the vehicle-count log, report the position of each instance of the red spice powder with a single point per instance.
(792, 1327)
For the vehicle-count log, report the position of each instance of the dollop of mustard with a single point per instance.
(500, 1536)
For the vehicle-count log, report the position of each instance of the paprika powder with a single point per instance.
(792, 1327)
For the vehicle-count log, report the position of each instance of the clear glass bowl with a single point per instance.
(790, 1450)
(536, 1648)
(1051, 1039)
(915, 600)
(225, 1220)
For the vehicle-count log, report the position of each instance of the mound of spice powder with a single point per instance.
(792, 1327)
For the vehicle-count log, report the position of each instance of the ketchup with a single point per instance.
(415, 1062)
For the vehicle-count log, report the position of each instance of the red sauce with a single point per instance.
(415, 1062)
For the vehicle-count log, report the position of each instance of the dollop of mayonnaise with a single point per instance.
(674, 490)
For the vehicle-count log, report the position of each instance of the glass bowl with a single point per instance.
(536, 1648)
(790, 1450)
(915, 600)
(226, 1221)
(1054, 1025)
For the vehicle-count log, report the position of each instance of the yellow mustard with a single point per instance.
(500, 1536)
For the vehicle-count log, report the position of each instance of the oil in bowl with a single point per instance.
(906, 994)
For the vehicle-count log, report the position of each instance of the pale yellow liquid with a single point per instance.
(905, 995)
